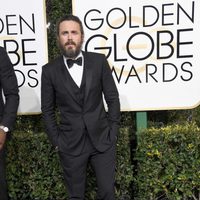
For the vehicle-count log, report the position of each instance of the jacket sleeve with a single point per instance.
(9, 87)
(110, 94)
(48, 106)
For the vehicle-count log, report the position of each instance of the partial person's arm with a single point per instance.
(9, 87)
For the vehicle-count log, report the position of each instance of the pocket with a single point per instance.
(65, 127)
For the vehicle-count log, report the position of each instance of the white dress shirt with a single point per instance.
(76, 71)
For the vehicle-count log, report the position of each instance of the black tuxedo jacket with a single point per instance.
(8, 84)
(74, 118)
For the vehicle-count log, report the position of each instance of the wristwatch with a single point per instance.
(4, 128)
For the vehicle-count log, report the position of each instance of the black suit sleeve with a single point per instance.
(111, 94)
(48, 106)
(8, 83)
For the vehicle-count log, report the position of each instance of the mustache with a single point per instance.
(70, 43)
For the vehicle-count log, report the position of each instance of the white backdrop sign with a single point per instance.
(23, 35)
(153, 49)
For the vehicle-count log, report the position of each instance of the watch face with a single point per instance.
(5, 129)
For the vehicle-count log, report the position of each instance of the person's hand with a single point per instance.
(2, 138)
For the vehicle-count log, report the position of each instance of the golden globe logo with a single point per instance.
(135, 45)
(152, 48)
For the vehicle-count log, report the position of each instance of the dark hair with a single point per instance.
(69, 18)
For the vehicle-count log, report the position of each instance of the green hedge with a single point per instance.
(33, 170)
(168, 163)
(166, 166)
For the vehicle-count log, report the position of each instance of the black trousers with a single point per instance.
(74, 168)
(3, 185)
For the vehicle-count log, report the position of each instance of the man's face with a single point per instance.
(70, 39)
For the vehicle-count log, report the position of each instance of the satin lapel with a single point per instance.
(65, 78)
(88, 75)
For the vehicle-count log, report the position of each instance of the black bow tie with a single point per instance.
(70, 62)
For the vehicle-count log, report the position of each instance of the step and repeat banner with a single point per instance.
(23, 35)
(153, 49)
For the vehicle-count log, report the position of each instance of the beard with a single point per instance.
(70, 52)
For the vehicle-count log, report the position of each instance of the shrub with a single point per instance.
(168, 163)
(34, 173)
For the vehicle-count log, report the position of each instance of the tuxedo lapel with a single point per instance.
(88, 75)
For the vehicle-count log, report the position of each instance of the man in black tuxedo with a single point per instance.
(8, 111)
(75, 83)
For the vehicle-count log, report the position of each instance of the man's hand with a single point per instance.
(2, 138)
